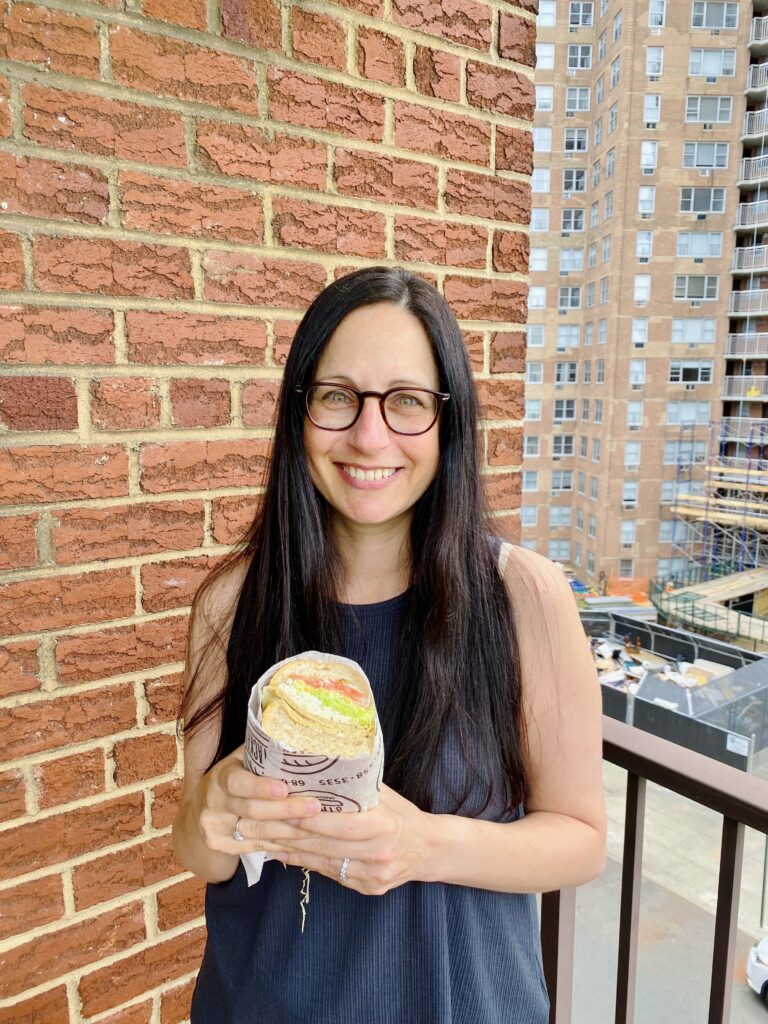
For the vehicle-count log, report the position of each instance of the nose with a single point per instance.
(370, 433)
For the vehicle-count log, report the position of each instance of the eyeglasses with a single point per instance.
(404, 410)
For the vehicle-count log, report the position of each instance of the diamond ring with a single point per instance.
(236, 833)
(343, 870)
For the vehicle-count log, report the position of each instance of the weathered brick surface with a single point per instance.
(168, 585)
(480, 299)
(18, 543)
(507, 352)
(250, 152)
(189, 13)
(191, 465)
(256, 23)
(442, 134)
(386, 178)
(329, 106)
(483, 195)
(380, 57)
(37, 335)
(437, 73)
(69, 779)
(260, 402)
(231, 517)
(11, 262)
(19, 668)
(109, 652)
(52, 39)
(164, 698)
(334, 229)
(499, 90)
(114, 874)
(125, 403)
(30, 605)
(165, 802)
(517, 39)
(514, 150)
(31, 905)
(175, 1003)
(143, 757)
(179, 903)
(83, 535)
(510, 252)
(5, 112)
(462, 21)
(37, 403)
(319, 39)
(49, 473)
(200, 403)
(169, 337)
(138, 1013)
(439, 241)
(43, 189)
(240, 277)
(12, 795)
(51, 1006)
(501, 399)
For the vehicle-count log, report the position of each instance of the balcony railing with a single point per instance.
(751, 257)
(754, 300)
(758, 76)
(750, 429)
(750, 214)
(747, 344)
(741, 799)
(745, 387)
(754, 168)
(758, 30)
(755, 122)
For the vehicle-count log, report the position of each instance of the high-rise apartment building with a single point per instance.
(647, 323)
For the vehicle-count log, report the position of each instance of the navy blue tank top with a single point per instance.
(424, 953)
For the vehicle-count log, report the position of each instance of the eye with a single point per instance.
(409, 401)
(337, 397)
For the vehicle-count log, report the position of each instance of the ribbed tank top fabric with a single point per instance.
(424, 953)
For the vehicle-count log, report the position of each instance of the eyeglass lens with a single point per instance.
(407, 411)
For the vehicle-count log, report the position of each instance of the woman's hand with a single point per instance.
(385, 847)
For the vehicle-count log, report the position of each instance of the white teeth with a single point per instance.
(369, 474)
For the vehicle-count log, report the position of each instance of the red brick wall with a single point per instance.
(178, 179)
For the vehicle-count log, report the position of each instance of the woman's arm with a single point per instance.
(561, 840)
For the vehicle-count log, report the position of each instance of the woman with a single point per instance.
(373, 542)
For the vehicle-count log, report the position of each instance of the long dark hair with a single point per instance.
(458, 667)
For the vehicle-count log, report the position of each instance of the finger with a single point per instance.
(333, 849)
(295, 808)
(352, 827)
(238, 781)
(328, 866)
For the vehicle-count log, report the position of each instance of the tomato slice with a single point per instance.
(339, 685)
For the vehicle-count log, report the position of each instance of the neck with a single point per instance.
(375, 560)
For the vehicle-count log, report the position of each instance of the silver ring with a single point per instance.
(236, 833)
(343, 870)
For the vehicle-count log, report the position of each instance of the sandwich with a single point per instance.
(320, 707)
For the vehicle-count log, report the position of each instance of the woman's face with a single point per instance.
(373, 349)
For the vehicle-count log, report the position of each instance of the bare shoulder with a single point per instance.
(216, 600)
(531, 578)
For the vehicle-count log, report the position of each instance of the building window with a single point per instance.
(565, 409)
(537, 297)
(690, 371)
(637, 371)
(529, 515)
(644, 245)
(545, 97)
(592, 526)
(687, 413)
(579, 56)
(631, 454)
(592, 255)
(629, 492)
(599, 373)
(594, 215)
(705, 155)
(628, 531)
(575, 140)
(569, 297)
(608, 205)
(699, 244)
(639, 330)
(642, 290)
(542, 140)
(566, 373)
(654, 60)
(586, 376)
(634, 414)
(589, 330)
(581, 483)
(530, 480)
(560, 515)
(594, 488)
(572, 220)
(696, 286)
(545, 56)
(601, 42)
(540, 218)
(590, 295)
(577, 98)
(610, 162)
(702, 200)
(651, 108)
(583, 447)
(617, 22)
(613, 118)
(534, 373)
(626, 568)
(604, 287)
(547, 13)
(595, 174)
(715, 15)
(562, 444)
(540, 179)
(567, 336)
(606, 248)
(657, 13)
(585, 410)
(571, 261)
(684, 453)
(712, 63)
(533, 409)
(562, 481)
(590, 562)
(602, 332)
(615, 72)
(575, 180)
(596, 447)
(599, 131)
(531, 446)
(538, 260)
(580, 14)
(694, 331)
(600, 89)
(709, 108)
(649, 155)
(559, 550)
(534, 335)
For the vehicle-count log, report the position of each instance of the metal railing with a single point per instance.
(747, 344)
(743, 428)
(745, 387)
(758, 30)
(758, 76)
(752, 300)
(741, 799)
(755, 122)
(749, 214)
(751, 257)
(753, 168)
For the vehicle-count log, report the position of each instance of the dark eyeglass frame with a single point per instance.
(382, 396)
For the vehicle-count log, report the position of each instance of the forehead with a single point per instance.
(380, 341)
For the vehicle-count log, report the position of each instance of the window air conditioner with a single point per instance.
(705, 172)
(564, 273)
(642, 259)
(701, 216)
(656, 30)
(711, 79)
(565, 234)
(693, 344)
(648, 170)
(690, 387)
(646, 216)
(698, 259)
(637, 387)
(634, 426)
(627, 546)
(628, 504)
(653, 78)
(572, 71)
(570, 113)
(566, 195)
(695, 303)
(651, 125)
(714, 31)
(569, 155)
(708, 126)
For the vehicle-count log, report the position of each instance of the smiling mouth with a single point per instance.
(358, 473)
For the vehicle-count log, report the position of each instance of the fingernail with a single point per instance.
(282, 857)
(277, 789)
(311, 806)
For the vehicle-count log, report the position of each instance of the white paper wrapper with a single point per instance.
(340, 784)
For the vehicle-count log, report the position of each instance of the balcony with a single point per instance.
(752, 215)
(750, 257)
(758, 31)
(755, 122)
(745, 303)
(758, 77)
(750, 429)
(747, 345)
(741, 800)
(745, 387)
(754, 170)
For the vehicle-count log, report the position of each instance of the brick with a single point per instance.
(517, 39)
(260, 402)
(37, 335)
(30, 605)
(60, 473)
(200, 403)
(502, 490)
(484, 195)
(475, 350)
(510, 251)
(148, 968)
(508, 353)
(11, 262)
(164, 698)
(165, 803)
(39, 188)
(51, 723)
(179, 903)
(437, 73)
(175, 1003)
(318, 39)
(78, 121)
(253, 21)
(173, 584)
(284, 333)
(250, 152)
(380, 57)
(172, 67)
(190, 208)
(385, 178)
(505, 447)
(478, 299)
(329, 106)
(231, 516)
(19, 668)
(189, 13)
(241, 277)
(109, 652)
(139, 1013)
(58, 41)
(18, 542)
(70, 778)
(526, 5)
(82, 535)
(194, 465)
(127, 870)
(51, 1007)
(442, 134)
(514, 150)
(499, 90)
(52, 840)
(125, 403)
(439, 241)
(373, 7)
(167, 338)
(462, 21)
(144, 757)
(29, 906)
(5, 110)
(12, 798)
(38, 403)
(501, 399)
(334, 229)
(67, 949)
(108, 267)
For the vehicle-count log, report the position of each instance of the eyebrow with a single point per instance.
(400, 382)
